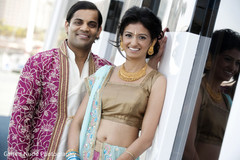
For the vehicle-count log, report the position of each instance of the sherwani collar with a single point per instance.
(62, 102)
(92, 67)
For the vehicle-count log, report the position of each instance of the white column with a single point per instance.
(56, 22)
(176, 65)
(231, 141)
(31, 25)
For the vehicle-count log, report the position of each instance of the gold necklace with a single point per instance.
(129, 76)
(216, 96)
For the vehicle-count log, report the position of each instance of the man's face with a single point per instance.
(83, 29)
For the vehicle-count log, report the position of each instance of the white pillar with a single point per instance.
(231, 141)
(31, 25)
(56, 22)
(176, 64)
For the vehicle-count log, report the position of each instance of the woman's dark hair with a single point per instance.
(147, 18)
(224, 39)
(81, 5)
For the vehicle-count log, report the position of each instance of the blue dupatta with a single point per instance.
(92, 116)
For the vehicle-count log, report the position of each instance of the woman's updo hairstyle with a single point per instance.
(147, 18)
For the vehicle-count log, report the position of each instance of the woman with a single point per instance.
(212, 106)
(122, 100)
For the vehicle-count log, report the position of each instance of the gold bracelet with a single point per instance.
(71, 152)
(130, 154)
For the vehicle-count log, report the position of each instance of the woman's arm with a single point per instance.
(75, 127)
(190, 152)
(150, 121)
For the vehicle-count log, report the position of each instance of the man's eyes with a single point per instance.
(78, 22)
(91, 24)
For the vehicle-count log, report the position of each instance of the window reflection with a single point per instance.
(152, 4)
(204, 17)
(114, 12)
(215, 96)
(176, 14)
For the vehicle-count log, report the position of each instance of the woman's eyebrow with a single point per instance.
(138, 34)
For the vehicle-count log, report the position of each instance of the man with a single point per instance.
(51, 88)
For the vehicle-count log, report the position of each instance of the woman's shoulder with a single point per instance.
(156, 75)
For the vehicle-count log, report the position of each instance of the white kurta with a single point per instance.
(76, 92)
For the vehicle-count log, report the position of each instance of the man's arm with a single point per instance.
(26, 99)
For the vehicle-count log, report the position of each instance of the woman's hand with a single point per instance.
(153, 61)
(126, 156)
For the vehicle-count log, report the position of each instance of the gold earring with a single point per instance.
(150, 51)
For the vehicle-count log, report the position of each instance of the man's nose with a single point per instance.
(84, 27)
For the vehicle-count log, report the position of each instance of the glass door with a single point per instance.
(208, 120)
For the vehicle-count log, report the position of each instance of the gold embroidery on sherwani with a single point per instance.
(62, 107)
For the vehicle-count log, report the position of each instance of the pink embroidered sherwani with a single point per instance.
(40, 106)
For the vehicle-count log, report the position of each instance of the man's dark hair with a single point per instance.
(81, 5)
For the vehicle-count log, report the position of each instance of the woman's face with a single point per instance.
(227, 64)
(136, 41)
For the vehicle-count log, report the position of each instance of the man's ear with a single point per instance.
(99, 31)
(66, 26)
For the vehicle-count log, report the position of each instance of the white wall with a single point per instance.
(176, 65)
(231, 141)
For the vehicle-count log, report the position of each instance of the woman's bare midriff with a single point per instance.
(208, 151)
(117, 134)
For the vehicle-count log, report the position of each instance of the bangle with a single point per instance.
(72, 154)
(130, 154)
(73, 157)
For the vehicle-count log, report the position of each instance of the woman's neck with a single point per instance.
(131, 66)
(214, 83)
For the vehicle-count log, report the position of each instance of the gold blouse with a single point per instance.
(212, 119)
(126, 103)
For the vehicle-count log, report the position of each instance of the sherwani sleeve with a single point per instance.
(27, 96)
